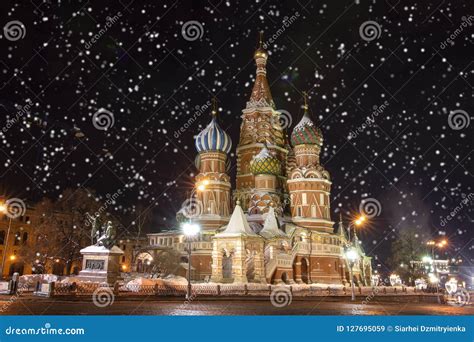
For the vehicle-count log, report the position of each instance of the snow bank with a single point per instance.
(73, 280)
(34, 278)
(134, 285)
(175, 280)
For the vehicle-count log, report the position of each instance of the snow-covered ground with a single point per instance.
(135, 284)
(34, 278)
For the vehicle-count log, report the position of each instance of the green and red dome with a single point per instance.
(306, 133)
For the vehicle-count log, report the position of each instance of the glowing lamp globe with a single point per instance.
(191, 229)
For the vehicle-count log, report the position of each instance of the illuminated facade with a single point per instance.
(277, 228)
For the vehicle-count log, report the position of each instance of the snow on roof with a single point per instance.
(238, 224)
(101, 250)
(305, 121)
(264, 153)
(270, 227)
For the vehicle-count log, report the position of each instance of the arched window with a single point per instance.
(16, 242)
(25, 237)
(2, 237)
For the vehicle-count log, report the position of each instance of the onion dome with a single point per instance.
(265, 163)
(213, 137)
(306, 132)
(260, 52)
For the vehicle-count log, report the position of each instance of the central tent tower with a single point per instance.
(260, 129)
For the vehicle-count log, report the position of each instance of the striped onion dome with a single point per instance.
(213, 138)
(265, 163)
(306, 132)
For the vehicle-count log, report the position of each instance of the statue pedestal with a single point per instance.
(100, 264)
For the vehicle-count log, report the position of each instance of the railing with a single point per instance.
(212, 290)
(284, 259)
(270, 263)
(197, 245)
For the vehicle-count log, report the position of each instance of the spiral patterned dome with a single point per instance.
(265, 163)
(213, 138)
(306, 132)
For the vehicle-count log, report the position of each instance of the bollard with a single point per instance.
(15, 280)
(51, 289)
(116, 288)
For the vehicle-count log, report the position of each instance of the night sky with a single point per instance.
(414, 157)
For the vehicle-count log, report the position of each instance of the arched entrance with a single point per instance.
(144, 262)
(284, 277)
(304, 270)
(16, 267)
(58, 268)
(250, 265)
(227, 265)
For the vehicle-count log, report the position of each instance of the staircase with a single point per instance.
(283, 259)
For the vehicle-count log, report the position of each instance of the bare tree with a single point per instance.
(166, 262)
(64, 227)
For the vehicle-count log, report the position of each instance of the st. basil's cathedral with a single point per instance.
(275, 226)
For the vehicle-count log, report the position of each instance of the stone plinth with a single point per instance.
(100, 264)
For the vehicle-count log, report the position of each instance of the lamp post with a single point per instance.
(436, 279)
(357, 222)
(190, 230)
(4, 209)
(352, 256)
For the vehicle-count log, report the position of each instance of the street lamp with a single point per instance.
(4, 209)
(352, 256)
(436, 279)
(359, 221)
(190, 230)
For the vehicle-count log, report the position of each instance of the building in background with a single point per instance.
(131, 246)
(18, 245)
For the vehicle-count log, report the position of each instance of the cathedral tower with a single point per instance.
(260, 125)
(309, 183)
(266, 168)
(213, 183)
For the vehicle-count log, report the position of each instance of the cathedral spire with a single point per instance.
(214, 107)
(261, 95)
(340, 229)
(305, 97)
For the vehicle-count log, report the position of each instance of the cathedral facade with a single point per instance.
(275, 226)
